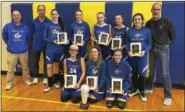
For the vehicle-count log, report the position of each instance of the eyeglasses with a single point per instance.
(73, 49)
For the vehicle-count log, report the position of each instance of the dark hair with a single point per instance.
(120, 16)
(78, 57)
(99, 56)
(60, 21)
(138, 14)
(117, 50)
(78, 10)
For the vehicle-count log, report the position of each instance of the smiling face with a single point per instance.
(118, 20)
(73, 50)
(156, 11)
(16, 16)
(101, 18)
(55, 15)
(41, 10)
(94, 53)
(78, 16)
(138, 21)
(117, 56)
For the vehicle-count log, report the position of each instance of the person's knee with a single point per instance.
(64, 98)
(84, 88)
(76, 99)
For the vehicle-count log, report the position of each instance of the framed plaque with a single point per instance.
(78, 39)
(92, 81)
(103, 38)
(116, 43)
(62, 38)
(117, 85)
(70, 81)
(135, 49)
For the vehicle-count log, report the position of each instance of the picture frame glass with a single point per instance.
(135, 49)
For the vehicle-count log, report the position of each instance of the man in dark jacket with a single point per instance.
(163, 36)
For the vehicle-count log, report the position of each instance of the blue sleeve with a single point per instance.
(45, 35)
(149, 42)
(108, 77)
(101, 85)
(5, 34)
(127, 80)
(88, 34)
(127, 43)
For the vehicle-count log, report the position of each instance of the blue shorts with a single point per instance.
(139, 64)
(54, 57)
(113, 96)
(71, 92)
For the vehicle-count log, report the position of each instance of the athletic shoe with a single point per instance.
(45, 81)
(148, 91)
(143, 96)
(167, 101)
(35, 81)
(28, 82)
(133, 92)
(8, 87)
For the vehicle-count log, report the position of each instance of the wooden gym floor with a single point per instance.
(25, 98)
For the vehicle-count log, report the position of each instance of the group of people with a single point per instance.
(155, 39)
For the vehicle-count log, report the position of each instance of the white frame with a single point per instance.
(65, 38)
(131, 50)
(74, 81)
(116, 39)
(81, 43)
(112, 86)
(100, 36)
(95, 82)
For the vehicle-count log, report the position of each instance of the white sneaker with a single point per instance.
(143, 96)
(47, 89)
(45, 81)
(57, 85)
(8, 87)
(148, 91)
(167, 101)
(133, 93)
(28, 82)
(35, 81)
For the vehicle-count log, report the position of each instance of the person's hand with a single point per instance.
(122, 92)
(55, 42)
(110, 90)
(96, 91)
(129, 54)
(77, 86)
(142, 53)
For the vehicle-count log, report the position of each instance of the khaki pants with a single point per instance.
(12, 61)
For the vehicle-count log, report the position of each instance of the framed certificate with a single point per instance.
(62, 38)
(78, 39)
(70, 81)
(116, 43)
(135, 49)
(117, 85)
(103, 38)
(92, 81)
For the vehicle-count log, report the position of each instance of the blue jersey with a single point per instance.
(98, 29)
(80, 28)
(93, 70)
(120, 33)
(16, 37)
(49, 35)
(73, 68)
(121, 70)
(38, 28)
(142, 35)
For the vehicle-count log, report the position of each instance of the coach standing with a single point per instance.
(163, 36)
(16, 36)
(38, 45)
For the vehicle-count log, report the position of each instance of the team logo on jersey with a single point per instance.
(94, 71)
(137, 35)
(161, 26)
(116, 71)
(17, 35)
(79, 31)
(55, 31)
